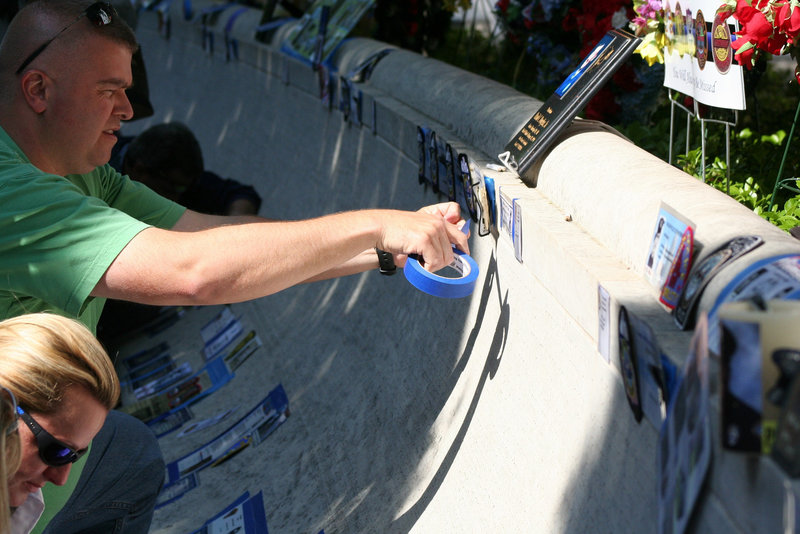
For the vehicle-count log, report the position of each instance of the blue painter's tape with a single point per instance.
(442, 286)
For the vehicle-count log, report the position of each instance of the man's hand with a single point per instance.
(428, 233)
(451, 213)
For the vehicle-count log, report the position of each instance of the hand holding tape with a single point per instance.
(442, 286)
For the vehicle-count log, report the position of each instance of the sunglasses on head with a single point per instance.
(52, 451)
(8, 398)
(99, 14)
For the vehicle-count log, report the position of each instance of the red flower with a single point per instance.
(625, 79)
(755, 26)
(787, 20)
(570, 22)
(775, 44)
(593, 19)
(502, 5)
(744, 51)
(771, 26)
(602, 106)
(757, 32)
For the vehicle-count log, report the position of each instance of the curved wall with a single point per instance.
(490, 413)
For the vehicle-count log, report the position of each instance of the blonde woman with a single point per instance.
(65, 386)
(9, 451)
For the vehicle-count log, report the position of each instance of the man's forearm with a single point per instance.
(232, 263)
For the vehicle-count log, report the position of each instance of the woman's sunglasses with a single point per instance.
(99, 14)
(52, 451)
(10, 401)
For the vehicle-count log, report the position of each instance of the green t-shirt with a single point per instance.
(58, 235)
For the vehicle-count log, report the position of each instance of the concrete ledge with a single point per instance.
(412, 413)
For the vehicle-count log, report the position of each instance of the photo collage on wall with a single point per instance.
(170, 367)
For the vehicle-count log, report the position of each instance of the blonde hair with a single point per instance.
(9, 458)
(42, 355)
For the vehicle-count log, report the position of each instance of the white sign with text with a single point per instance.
(698, 61)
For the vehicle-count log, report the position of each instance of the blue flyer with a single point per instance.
(245, 515)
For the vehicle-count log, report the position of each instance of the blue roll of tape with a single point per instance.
(442, 286)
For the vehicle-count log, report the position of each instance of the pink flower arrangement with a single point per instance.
(649, 24)
(771, 26)
(646, 10)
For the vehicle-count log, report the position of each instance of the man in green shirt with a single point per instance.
(68, 246)
(74, 232)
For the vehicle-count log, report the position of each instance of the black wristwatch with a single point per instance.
(386, 262)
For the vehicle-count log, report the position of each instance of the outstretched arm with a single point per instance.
(206, 260)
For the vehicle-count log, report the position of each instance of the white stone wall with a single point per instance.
(493, 413)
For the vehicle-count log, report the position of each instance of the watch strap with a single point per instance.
(386, 262)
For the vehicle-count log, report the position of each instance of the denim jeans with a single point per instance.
(117, 489)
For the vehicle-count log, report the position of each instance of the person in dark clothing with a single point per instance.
(168, 159)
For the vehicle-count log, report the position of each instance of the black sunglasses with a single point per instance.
(100, 14)
(11, 401)
(52, 451)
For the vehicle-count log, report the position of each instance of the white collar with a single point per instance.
(28, 513)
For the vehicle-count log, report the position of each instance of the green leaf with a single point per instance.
(775, 139)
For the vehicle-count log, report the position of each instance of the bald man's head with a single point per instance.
(42, 20)
(64, 68)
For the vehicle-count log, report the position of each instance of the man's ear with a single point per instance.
(36, 89)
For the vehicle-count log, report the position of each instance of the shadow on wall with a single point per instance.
(490, 289)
